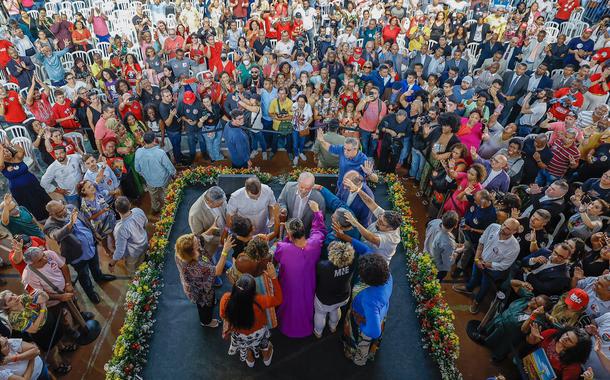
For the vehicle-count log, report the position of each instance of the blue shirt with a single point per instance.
(266, 98)
(154, 165)
(238, 144)
(87, 241)
(55, 70)
(576, 44)
(372, 303)
(347, 164)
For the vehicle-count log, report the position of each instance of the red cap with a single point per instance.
(358, 50)
(577, 299)
(189, 97)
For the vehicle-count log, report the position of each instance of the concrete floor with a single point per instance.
(88, 361)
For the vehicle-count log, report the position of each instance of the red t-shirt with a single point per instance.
(36, 242)
(282, 26)
(344, 98)
(360, 61)
(598, 88)
(389, 33)
(558, 110)
(563, 371)
(43, 111)
(68, 144)
(13, 110)
(4, 57)
(602, 55)
(565, 8)
(64, 110)
(135, 108)
(130, 72)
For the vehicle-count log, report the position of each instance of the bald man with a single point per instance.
(497, 177)
(497, 251)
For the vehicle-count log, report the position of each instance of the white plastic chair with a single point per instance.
(576, 14)
(431, 44)
(272, 42)
(555, 72)
(34, 14)
(81, 54)
(551, 24)
(3, 136)
(15, 131)
(171, 21)
(11, 86)
(104, 47)
(26, 144)
(360, 42)
(77, 138)
(92, 52)
(231, 56)
(67, 61)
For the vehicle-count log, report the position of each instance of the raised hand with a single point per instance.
(229, 244)
(367, 167)
(313, 205)
(270, 271)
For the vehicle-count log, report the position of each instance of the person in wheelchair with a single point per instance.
(504, 331)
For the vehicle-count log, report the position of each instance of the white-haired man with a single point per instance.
(295, 196)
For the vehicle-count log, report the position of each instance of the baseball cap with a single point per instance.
(189, 97)
(468, 79)
(358, 50)
(577, 299)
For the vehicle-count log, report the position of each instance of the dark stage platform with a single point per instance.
(181, 349)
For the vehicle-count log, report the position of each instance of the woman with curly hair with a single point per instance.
(365, 319)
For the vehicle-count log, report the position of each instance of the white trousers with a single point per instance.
(321, 311)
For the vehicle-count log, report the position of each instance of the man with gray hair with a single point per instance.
(207, 216)
(350, 158)
(295, 196)
(131, 238)
(324, 158)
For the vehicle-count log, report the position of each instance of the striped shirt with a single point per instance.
(561, 158)
(585, 119)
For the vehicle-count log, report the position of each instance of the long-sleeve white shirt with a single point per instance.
(65, 176)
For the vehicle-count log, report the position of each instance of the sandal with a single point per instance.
(63, 369)
(69, 348)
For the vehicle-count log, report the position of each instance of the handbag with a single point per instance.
(304, 132)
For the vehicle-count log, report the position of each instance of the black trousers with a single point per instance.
(205, 313)
(83, 268)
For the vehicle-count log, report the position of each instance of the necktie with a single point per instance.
(507, 54)
(512, 84)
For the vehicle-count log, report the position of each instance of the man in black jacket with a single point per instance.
(76, 240)
(547, 272)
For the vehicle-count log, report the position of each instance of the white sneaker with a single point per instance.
(295, 161)
(253, 154)
(213, 324)
(303, 156)
(264, 155)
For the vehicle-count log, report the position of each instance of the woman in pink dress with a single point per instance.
(297, 256)
(471, 130)
(468, 183)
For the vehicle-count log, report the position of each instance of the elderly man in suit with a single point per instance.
(552, 199)
(533, 52)
(295, 195)
(512, 54)
(564, 78)
(207, 216)
(514, 87)
(77, 244)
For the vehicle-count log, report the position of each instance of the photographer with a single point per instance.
(190, 112)
(393, 128)
(420, 145)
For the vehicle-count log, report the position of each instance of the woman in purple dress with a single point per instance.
(297, 256)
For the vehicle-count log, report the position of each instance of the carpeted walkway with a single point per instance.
(181, 349)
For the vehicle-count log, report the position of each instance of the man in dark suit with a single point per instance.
(489, 47)
(477, 32)
(458, 62)
(512, 54)
(514, 86)
(552, 199)
(420, 56)
(547, 272)
(541, 78)
(295, 196)
(76, 239)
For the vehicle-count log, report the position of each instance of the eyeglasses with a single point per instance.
(368, 67)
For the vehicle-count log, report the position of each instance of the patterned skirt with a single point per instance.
(257, 341)
(358, 347)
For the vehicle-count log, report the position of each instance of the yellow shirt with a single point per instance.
(276, 106)
(96, 69)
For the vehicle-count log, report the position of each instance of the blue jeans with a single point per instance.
(406, 149)
(524, 130)
(212, 144)
(268, 126)
(417, 164)
(175, 137)
(482, 280)
(545, 178)
(195, 134)
(58, 83)
(298, 143)
(258, 139)
(369, 143)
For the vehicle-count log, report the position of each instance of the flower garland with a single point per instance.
(131, 346)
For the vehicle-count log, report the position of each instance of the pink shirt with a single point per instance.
(101, 132)
(52, 271)
(100, 28)
(372, 115)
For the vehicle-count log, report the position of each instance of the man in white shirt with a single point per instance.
(600, 330)
(253, 201)
(63, 175)
(347, 37)
(598, 290)
(283, 48)
(532, 113)
(497, 251)
(383, 235)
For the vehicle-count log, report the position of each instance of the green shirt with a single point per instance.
(24, 224)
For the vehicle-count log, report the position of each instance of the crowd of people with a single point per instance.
(496, 113)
